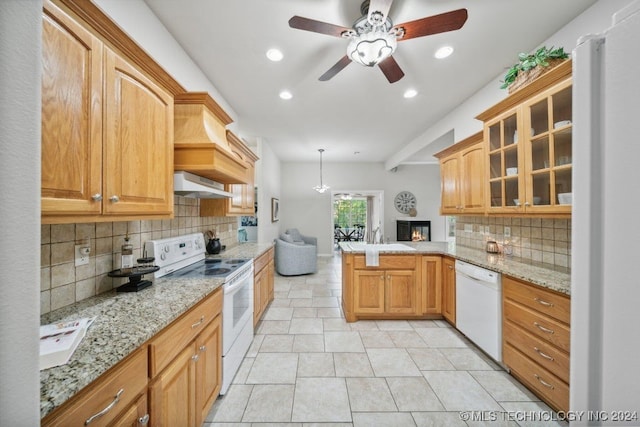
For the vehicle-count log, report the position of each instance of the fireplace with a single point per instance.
(416, 231)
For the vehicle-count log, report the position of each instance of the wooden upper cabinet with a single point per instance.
(107, 128)
(462, 177)
(71, 116)
(138, 135)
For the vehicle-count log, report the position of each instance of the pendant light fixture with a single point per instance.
(322, 187)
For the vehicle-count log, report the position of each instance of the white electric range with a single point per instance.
(184, 257)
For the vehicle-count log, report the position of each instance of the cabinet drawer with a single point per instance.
(546, 385)
(541, 352)
(539, 299)
(165, 346)
(541, 326)
(128, 379)
(262, 261)
(387, 262)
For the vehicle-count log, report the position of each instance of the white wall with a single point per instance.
(462, 119)
(268, 183)
(20, 67)
(310, 212)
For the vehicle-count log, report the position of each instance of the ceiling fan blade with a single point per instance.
(435, 24)
(300, 23)
(378, 11)
(391, 70)
(343, 62)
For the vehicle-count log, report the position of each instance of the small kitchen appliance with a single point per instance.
(492, 247)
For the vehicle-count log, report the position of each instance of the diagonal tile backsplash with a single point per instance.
(62, 284)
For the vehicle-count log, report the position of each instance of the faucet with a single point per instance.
(374, 235)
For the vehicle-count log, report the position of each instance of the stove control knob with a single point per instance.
(198, 245)
(166, 248)
(163, 256)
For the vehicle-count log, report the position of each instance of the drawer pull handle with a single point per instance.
(543, 382)
(203, 348)
(546, 356)
(109, 407)
(543, 302)
(143, 420)
(198, 323)
(542, 328)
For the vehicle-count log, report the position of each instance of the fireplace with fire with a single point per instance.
(413, 231)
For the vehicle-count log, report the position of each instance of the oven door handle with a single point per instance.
(238, 282)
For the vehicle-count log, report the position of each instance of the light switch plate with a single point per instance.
(507, 232)
(81, 257)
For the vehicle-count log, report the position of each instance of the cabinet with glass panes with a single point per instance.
(528, 136)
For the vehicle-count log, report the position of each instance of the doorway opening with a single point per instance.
(357, 216)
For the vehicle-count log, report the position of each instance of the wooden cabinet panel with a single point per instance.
(387, 262)
(547, 302)
(450, 182)
(472, 186)
(400, 292)
(137, 415)
(432, 284)
(71, 116)
(122, 385)
(138, 147)
(449, 290)
(263, 279)
(173, 392)
(369, 292)
(208, 368)
(541, 326)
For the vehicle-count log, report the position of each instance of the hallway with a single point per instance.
(307, 366)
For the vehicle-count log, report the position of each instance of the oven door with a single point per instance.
(237, 307)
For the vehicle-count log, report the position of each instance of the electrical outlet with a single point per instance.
(468, 228)
(82, 255)
(507, 232)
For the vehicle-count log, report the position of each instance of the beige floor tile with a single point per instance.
(520, 409)
(465, 359)
(330, 312)
(352, 365)
(413, 394)
(417, 324)
(269, 403)
(277, 344)
(305, 326)
(278, 313)
(394, 325)
(503, 387)
(459, 391)
(301, 302)
(280, 300)
(438, 419)
(308, 343)
(364, 325)
(382, 419)
(273, 368)
(407, 339)
(316, 365)
(441, 338)
(243, 371)
(305, 312)
(330, 324)
(325, 302)
(321, 400)
(376, 339)
(343, 341)
(231, 406)
(430, 359)
(300, 293)
(370, 394)
(392, 362)
(273, 327)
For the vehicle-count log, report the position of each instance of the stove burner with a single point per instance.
(217, 271)
(212, 261)
(234, 261)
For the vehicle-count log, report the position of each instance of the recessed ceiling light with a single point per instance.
(285, 94)
(410, 93)
(275, 55)
(443, 52)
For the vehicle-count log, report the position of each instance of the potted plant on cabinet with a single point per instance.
(531, 66)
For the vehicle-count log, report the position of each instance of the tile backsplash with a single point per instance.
(62, 284)
(532, 239)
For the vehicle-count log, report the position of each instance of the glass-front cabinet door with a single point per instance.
(505, 183)
(548, 151)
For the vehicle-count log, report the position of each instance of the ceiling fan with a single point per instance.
(373, 37)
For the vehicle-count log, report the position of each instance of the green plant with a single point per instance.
(540, 57)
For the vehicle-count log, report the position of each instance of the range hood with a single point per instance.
(197, 187)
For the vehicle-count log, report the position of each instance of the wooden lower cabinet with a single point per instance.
(208, 368)
(536, 342)
(449, 290)
(432, 284)
(263, 281)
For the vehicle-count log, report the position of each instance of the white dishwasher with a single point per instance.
(479, 307)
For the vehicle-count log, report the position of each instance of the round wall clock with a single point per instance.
(404, 202)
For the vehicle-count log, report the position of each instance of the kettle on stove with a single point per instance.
(213, 245)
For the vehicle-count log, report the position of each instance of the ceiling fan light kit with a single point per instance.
(374, 38)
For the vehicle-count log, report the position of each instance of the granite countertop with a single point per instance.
(541, 274)
(124, 322)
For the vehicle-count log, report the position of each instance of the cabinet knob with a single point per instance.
(144, 420)
(97, 197)
(114, 199)
(527, 204)
(203, 348)
(450, 267)
(195, 357)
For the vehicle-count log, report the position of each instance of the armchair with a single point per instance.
(295, 254)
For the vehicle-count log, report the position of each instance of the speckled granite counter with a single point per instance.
(545, 275)
(124, 322)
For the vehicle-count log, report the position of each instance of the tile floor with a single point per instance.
(307, 366)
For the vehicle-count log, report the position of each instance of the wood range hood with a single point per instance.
(201, 146)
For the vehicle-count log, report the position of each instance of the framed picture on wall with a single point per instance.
(275, 209)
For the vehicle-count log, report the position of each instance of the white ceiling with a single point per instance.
(357, 110)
